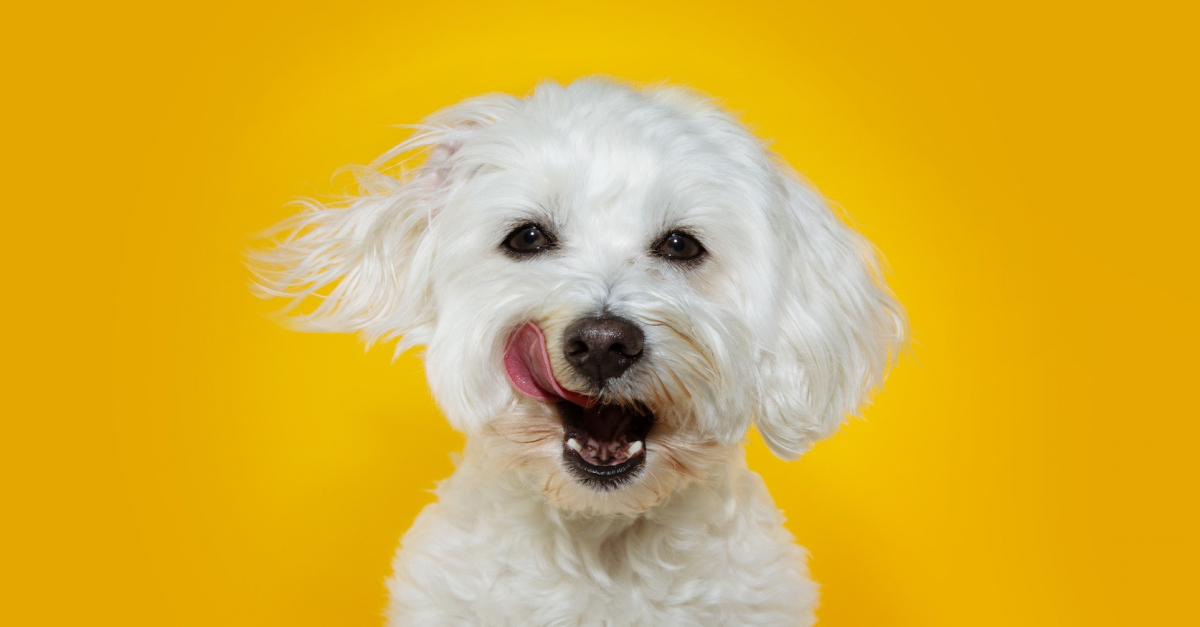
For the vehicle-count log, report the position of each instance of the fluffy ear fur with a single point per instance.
(367, 260)
(839, 326)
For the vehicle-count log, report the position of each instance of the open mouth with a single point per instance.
(604, 444)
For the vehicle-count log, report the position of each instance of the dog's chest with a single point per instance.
(507, 562)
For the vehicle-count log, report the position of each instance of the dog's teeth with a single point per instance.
(574, 445)
(635, 448)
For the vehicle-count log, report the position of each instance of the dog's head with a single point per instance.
(611, 284)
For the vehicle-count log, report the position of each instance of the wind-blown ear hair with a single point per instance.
(840, 327)
(366, 260)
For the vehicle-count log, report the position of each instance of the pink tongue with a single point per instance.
(528, 366)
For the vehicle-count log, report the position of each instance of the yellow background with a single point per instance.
(170, 457)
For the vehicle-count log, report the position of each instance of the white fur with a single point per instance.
(786, 323)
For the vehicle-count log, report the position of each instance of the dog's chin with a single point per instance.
(600, 459)
(604, 445)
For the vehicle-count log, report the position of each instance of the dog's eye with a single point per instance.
(528, 239)
(679, 246)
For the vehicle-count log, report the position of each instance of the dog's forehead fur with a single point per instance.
(597, 158)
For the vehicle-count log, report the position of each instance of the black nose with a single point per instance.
(602, 348)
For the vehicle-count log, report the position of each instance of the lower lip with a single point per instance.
(615, 470)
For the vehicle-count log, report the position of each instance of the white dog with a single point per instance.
(612, 285)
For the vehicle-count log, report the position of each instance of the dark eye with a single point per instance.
(528, 239)
(679, 247)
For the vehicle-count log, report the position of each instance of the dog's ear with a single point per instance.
(366, 262)
(838, 328)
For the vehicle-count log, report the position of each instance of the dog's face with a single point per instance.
(611, 284)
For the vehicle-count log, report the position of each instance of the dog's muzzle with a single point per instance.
(604, 444)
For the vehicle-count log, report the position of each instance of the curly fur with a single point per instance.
(785, 324)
